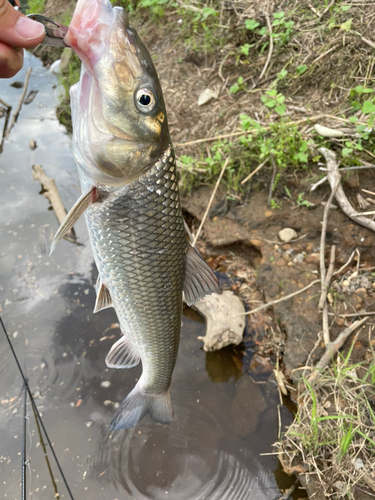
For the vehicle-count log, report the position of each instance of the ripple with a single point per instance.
(191, 459)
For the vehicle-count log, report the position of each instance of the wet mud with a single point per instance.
(225, 407)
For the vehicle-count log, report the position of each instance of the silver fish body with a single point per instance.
(131, 204)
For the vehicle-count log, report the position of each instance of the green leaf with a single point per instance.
(346, 152)
(347, 25)
(271, 103)
(345, 8)
(301, 69)
(280, 109)
(370, 121)
(368, 107)
(279, 15)
(263, 31)
(251, 24)
(353, 119)
(271, 93)
(363, 90)
(240, 80)
(245, 49)
(234, 88)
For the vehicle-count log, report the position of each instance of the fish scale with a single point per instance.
(140, 254)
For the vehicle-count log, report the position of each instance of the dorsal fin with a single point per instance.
(103, 297)
(199, 278)
(122, 355)
(84, 201)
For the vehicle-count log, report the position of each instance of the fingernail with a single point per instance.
(29, 29)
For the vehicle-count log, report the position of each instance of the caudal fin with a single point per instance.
(137, 404)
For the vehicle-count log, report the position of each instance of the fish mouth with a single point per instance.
(91, 27)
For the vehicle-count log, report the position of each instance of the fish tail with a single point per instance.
(138, 403)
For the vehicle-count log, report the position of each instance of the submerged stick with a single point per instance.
(51, 193)
(17, 112)
(333, 348)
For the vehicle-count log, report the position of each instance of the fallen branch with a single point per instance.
(52, 194)
(328, 278)
(17, 112)
(333, 348)
(210, 202)
(335, 178)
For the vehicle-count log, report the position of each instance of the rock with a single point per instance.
(223, 326)
(207, 95)
(287, 234)
(32, 144)
(312, 258)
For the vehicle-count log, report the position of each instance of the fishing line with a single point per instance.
(38, 418)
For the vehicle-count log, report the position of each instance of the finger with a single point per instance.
(11, 60)
(18, 30)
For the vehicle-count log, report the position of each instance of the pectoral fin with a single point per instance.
(199, 278)
(103, 297)
(84, 201)
(122, 355)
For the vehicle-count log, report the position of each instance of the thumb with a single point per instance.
(18, 30)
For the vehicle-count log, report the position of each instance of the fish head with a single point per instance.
(118, 113)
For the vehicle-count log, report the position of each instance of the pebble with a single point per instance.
(361, 291)
(345, 283)
(373, 285)
(312, 258)
(105, 383)
(298, 259)
(89, 423)
(287, 234)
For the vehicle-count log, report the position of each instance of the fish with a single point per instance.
(131, 204)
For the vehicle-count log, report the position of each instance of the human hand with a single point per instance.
(16, 33)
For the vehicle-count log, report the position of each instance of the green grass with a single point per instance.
(36, 6)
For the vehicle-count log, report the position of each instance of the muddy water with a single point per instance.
(223, 420)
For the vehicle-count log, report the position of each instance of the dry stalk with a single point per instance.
(210, 202)
(333, 348)
(269, 26)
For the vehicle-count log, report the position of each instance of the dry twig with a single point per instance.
(333, 348)
(335, 178)
(254, 171)
(269, 25)
(210, 202)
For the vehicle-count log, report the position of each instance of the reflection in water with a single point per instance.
(223, 419)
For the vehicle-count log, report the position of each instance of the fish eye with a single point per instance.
(145, 100)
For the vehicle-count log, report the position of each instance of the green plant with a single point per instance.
(282, 28)
(36, 6)
(239, 85)
(274, 100)
(303, 203)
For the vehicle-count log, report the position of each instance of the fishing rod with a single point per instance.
(36, 411)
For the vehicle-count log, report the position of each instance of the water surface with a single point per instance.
(223, 420)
